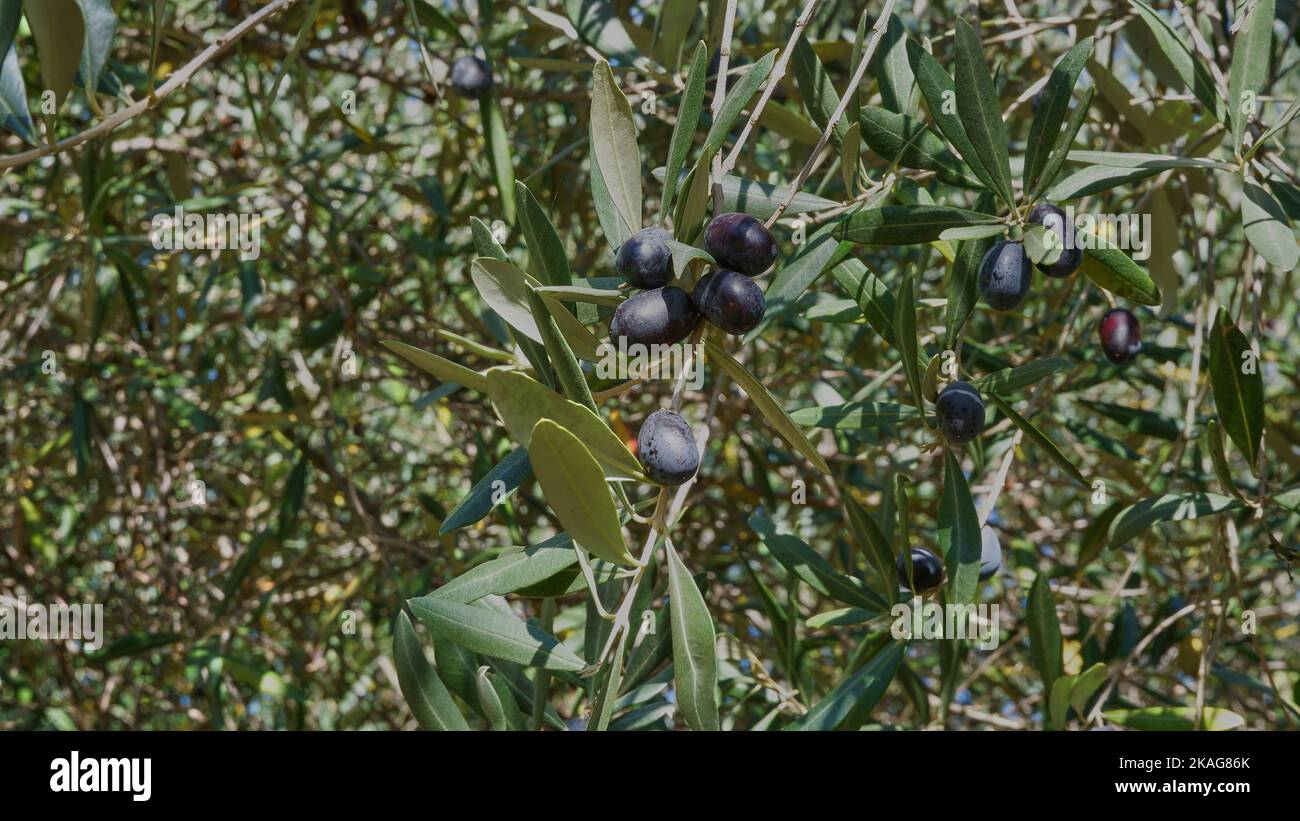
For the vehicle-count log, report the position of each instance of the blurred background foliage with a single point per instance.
(220, 451)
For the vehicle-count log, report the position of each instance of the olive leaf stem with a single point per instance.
(778, 72)
(592, 587)
(877, 32)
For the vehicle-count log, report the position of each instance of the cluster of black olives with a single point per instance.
(1005, 272)
(664, 314)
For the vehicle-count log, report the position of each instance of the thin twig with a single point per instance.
(719, 95)
(778, 72)
(877, 31)
(176, 81)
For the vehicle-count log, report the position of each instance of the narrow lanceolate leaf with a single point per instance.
(815, 87)
(1112, 269)
(1058, 703)
(100, 27)
(893, 70)
(612, 223)
(575, 335)
(14, 112)
(688, 117)
(1276, 127)
(582, 293)
(1238, 387)
(871, 295)
(575, 489)
(849, 704)
(444, 369)
(493, 633)
(1039, 438)
(963, 285)
(907, 224)
(767, 406)
(613, 142)
(567, 370)
(959, 532)
(1267, 228)
(899, 138)
(980, 111)
(11, 13)
(496, 702)
(505, 290)
(485, 242)
(850, 156)
(1213, 442)
(59, 32)
(1064, 141)
(499, 157)
(1096, 178)
(941, 98)
(1050, 116)
(797, 557)
(1087, 683)
(761, 199)
(522, 401)
(1177, 507)
(738, 98)
(873, 544)
(695, 660)
(1044, 632)
(1010, 380)
(905, 336)
(855, 415)
(1196, 78)
(1163, 719)
(425, 694)
(1128, 159)
(549, 261)
(308, 23)
(510, 572)
(498, 485)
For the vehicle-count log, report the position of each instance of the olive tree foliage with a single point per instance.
(347, 457)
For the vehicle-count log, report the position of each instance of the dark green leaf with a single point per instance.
(1044, 632)
(695, 663)
(425, 694)
(906, 224)
(1238, 386)
(1050, 116)
(493, 633)
(959, 532)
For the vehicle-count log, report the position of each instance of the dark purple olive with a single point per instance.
(667, 448)
(1121, 336)
(730, 300)
(1004, 275)
(927, 571)
(645, 260)
(739, 242)
(1054, 220)
(660, 316)
(960, 409)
